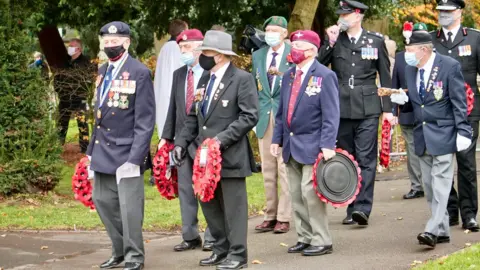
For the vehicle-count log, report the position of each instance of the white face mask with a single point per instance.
(446, 19)
(72, 51)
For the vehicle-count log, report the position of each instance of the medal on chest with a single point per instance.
(438, 90)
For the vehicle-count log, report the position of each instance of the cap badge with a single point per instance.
(112, 29)
(444, 1)
(299, 35)
(184, 37)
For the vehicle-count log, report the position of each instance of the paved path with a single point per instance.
(388, 243)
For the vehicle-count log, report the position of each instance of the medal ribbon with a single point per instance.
(106, 89)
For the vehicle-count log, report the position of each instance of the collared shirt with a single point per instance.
(218, 78)
(197, 74)
(428, 69)
(278, 59)
(305, 69)
(116, 65)
(454, 32)
(357, 36)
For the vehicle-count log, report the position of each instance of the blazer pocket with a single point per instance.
(444, 123)
(371, 101)
(124, 141)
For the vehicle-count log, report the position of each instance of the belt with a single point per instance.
(352, 82)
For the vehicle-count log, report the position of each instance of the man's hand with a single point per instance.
(274, 150)
(394, 121)
(178, 155)
(463, 143)
(161, 143)
(389, 117)
(333, 32)
(328, 153)
(399, 98)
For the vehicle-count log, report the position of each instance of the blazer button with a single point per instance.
(424, 123)
(98, 127)
(422, 106)
(353, 64)
(268, 112)
(204, 127)
(291, 133)
(113, 113)
(108, 144)
(449, 51)
(97, 142)
(353, 53)
(108, 129)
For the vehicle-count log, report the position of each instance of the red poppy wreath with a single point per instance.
(166, 177)
(81, 185)
(385, 147)
(206, 176)
(470, 98)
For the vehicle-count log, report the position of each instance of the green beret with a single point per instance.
(420, 26)
(276, 20)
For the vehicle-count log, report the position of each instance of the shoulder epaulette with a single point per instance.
(375, 34)
(472, 29)
(464, 30)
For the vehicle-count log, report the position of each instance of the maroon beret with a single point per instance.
(190, 35)
(307, 36)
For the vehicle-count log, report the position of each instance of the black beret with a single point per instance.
(418, 36)
(115, 29)
(348, 6)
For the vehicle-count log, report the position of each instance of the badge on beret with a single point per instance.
(112, 29)
(184, 37)
(299, 35)
(444, 1)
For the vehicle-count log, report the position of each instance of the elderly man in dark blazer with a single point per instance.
(226, 111)
(120, 146)
(307, 124)
(437, 98)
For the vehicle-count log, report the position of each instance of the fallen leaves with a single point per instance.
(44, 247)
(261, 212)
(467, 231)
(399, 218)
(50, 253)
(414, 263)
(256, 262)
(442, 260)
(468, 244)
(283, 245)
(3, 235)
(147, 241)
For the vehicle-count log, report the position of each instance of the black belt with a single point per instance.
(352, 82)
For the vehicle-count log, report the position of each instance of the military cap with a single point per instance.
(416, 34)
(450, 4)
(115, 29)
(276, 20)
(190, 35)
(348, 6)
(307, 36)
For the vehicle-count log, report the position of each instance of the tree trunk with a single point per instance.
(53, 48)
(319, 21)
(303, 15)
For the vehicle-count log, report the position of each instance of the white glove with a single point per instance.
(399, 98)
(89, 158)
(463, 142)
(90, 173)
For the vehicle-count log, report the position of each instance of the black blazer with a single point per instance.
(399, 81)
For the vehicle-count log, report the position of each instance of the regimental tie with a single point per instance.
(421, 89)
(189, 97)
(272, 64)
(297, 83)
(106, 82)
(449, 39)
(208, 95)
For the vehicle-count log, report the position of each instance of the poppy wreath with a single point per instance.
(385, 147)
(81, 186)
(322, 198)
(205, 178)
(470, 98)
(166, 177)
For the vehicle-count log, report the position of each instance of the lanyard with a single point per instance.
(104, 91)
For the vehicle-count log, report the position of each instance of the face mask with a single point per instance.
(38, 62)
(343, 24)
(298, 56)
(71, 51)
(272, 38)
(411, 59)
(207, 62)
(446, 19)
(114, 53)
(188, 58)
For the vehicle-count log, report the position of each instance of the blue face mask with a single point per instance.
(188, 58)
(411, 59)
(272, 38)
(38, 62)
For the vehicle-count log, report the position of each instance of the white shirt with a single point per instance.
(428, 69)
(197, 74)
(218, 78)
(116, 66)
(454, 32)
(278, 59)
(305, 69)
(357, 36)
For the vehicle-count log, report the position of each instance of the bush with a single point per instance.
(29, 150)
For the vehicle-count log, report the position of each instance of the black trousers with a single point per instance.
(467, 198)
(227, 218)
(359, 138)
(66, 107)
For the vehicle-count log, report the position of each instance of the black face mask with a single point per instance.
(207, 62)
(113, 53)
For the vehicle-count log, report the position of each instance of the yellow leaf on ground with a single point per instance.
(283, 245)
(147, 241)
(256, 262)
(467, 231)
(468, 244)
(44, 247)
(50, 253)
(3, 235)
(400, 218)
(416, 263)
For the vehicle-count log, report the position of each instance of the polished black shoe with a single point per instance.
(317, 250)
(207, 246)
(214, 259)
(413, 194)
(453, 221)
(360, 217)
(440, 240)
(348, 220)
(427, 239)
(229, 264)
(189, 245)
(471, 224)
(112, 262)
(299, 247)
(133, 266)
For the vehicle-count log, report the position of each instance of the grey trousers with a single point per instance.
(437, 175)
(121, 209)
(189, 203)
(310, 214)
(413, 161)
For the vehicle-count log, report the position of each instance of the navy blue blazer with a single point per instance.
(443, 113)
(399, 81)
(123, 133)
(315, 118)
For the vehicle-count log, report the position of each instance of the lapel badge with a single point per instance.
(224, 103)
(125, 75)
(370, 40)
(438, 90)
(199, 94)
(221, 86)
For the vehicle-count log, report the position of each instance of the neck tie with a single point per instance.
(421, 90)
(208, 95)
(449, 39)
(189, 97)
(353, 40)
(272, 64)
(297, 84)
(106, 81)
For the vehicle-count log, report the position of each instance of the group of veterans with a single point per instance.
(299, 108)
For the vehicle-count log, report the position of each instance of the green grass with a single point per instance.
(59, 211)
(468, 258)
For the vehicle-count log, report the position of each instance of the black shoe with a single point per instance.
(414, 194)
(214, 259)
(112, 262)
(229, 264)
(188, 245)
(453, 221)
(348, 220)
(317, 250)
(299, 247)
(471, 224)
(360, 217)
(440, 240)
(133, 266)
(427, 239)
(207, 246)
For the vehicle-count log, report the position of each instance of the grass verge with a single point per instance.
(468, 258)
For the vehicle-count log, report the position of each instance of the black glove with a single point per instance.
(178, 155)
